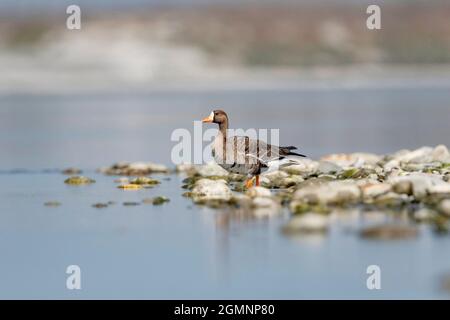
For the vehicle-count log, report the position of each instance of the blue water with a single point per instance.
(179, 250)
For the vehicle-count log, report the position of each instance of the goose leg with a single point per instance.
(257, 181)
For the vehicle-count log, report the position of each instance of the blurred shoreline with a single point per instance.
(228, 48)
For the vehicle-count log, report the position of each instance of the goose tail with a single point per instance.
(287, 151)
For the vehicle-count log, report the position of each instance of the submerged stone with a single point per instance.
(71, 171)
(130, 203)
(389, 232)
(144, 181)
(52, 204)
(100, 205)
(78, 180)
(156, 201)
(130, 186)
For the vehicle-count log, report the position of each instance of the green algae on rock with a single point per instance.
(156, 201)
(144, 181)
(79, 180)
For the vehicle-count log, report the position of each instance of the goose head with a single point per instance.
(217, 116)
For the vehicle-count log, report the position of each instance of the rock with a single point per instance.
(355, 160)
(402, 187)
(186, 168)
(157, 201)
(444, 207)
(373, 190)
(71, 171)
(79, 180)
(134, 169)
(423, 155)
(149, 167)
(130, 186)
(207, 189)
(420, 155)
(258, 192)
(391, 199)
(100, 205)
(441, 154)
(52, 204)
(389, 232)
(123, 180)
(391, 165)
(144, 181)
(333, 192)
(422, 184)
(307, 223)
(291, 181)
(212, 169)
(273, 179)
(131, 203)
(305, 167)
(326, 167)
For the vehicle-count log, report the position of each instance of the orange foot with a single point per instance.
(249, 183)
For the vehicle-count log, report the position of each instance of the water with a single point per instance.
(179, 250)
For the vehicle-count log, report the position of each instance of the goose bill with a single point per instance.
(209, 118)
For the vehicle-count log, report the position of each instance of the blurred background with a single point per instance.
(139, 69)
(142, 44)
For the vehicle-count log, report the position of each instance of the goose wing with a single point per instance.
(242, 149)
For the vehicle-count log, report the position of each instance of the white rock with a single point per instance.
(138, 166)
(354, 160)
(212, 169)
(420, 155)
(186, 167)
(423, 183)
(155, 167)
(206, 189)
(329, 193)
(304, 167)
(373, 190)
(392, 164)
(441, 154)
(327, 167)
(273, 178)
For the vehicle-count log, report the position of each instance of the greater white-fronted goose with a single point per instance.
(242, 155)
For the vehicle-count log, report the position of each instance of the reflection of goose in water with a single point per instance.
(242, 155)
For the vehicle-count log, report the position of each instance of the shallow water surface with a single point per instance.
(179, 250)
